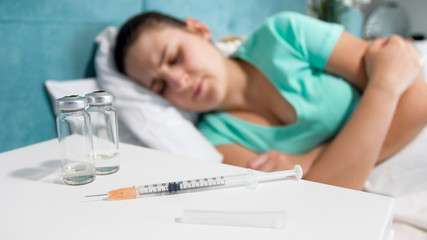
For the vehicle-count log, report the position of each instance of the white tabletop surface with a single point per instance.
(35, 204)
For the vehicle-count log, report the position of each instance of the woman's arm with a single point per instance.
(237, 155)
(352, 155)
(391, 67)
(347, 61)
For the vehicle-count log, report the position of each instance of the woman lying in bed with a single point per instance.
(298, 91)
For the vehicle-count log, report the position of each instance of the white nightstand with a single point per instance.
(35, 204)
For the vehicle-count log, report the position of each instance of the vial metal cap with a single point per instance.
(71, 103)
(101, 97)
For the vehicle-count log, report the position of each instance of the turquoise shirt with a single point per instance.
(291, 50)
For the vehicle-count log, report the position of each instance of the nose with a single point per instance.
(177, 78)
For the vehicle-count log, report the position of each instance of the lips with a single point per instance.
(198, 89)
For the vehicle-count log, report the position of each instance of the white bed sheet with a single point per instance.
(404, 177)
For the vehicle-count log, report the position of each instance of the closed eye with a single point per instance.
(176, 58)
(160, 86)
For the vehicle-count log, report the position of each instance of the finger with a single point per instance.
(378, 43)
(257, 162)
(268, 166)
(396, 40)
(399, 41)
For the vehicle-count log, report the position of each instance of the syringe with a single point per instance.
(249, 180)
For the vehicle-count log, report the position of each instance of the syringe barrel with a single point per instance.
(280, 175)
(247, 180)
(251, 179)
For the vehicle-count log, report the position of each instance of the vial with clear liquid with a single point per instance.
(104, 132)
(75, 140)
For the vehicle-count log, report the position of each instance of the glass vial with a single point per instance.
(75, 140)
(104, 132)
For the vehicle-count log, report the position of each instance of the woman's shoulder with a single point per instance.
(293, 26)
(288, 17)
(287, 23)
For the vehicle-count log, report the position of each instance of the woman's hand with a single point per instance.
(278, 161)
(273, 161)
(392, 64)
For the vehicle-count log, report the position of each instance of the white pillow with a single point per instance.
(58, 89)
(151, 119)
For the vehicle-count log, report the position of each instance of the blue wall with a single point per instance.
(51, 39)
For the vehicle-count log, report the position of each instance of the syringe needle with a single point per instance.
(121, 193)
(97, 195)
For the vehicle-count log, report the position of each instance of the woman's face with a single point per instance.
(180, 65)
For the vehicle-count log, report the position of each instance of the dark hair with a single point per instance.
(130, 31)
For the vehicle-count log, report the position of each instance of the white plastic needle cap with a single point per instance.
(266, 219)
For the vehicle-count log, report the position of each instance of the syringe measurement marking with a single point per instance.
(189, 184)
